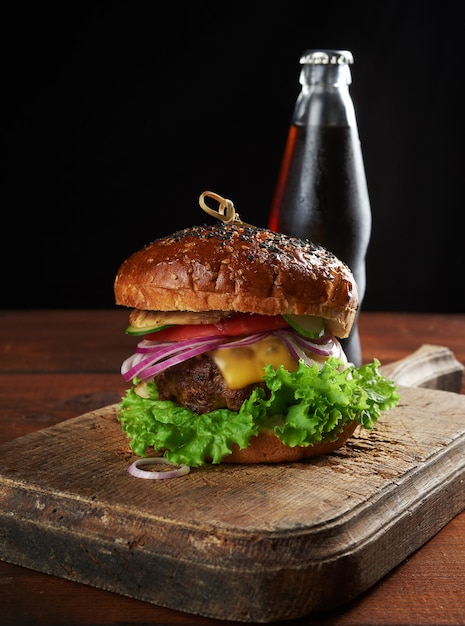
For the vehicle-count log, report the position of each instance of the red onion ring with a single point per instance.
(152, 357)
(295, 351)
(157, 362)
(179, 470)
(181, 356)
(305, 343)
(244, 341)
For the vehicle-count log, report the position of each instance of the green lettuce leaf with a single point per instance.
(302, 407)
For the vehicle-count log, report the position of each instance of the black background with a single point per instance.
(116, 116)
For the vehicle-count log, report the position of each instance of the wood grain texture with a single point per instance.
(433, 367)
(243, 543)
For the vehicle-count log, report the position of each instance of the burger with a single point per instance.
(237, 355)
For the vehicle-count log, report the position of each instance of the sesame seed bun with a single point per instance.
(237, 268)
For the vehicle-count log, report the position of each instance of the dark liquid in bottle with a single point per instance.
(322, 195)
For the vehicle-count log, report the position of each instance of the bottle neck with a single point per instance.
(337, 75)
(325, 99)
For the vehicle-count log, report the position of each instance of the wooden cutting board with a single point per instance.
(247, 543)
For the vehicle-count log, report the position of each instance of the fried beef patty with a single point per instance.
(198, 385)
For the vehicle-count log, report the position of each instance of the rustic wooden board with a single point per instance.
(245, 543)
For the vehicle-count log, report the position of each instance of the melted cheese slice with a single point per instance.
(244, 366)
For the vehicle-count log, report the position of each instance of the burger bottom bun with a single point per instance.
(267, 448)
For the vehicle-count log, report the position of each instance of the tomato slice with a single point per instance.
(248, 324)
(239, 324)
(185, 331)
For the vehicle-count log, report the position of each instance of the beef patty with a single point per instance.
(199, 385)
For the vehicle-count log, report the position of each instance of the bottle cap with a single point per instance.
(327, 57)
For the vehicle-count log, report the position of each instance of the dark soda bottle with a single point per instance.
(321, 193)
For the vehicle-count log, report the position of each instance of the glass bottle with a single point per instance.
(321, 192)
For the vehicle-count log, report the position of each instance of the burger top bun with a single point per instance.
(235, 267)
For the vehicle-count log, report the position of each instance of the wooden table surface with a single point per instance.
(55, 365)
